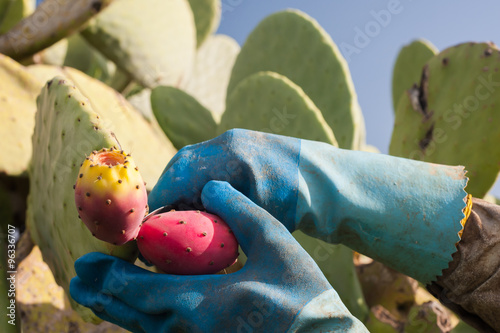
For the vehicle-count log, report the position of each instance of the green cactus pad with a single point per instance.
(452, 117)
(182, 117)
(66, 130)
(206, 17)
(408, 67)
(294, 45)
(209, 77)
(145, 140)
(49, 23)
(270, 102)
(18, 91)
(153, 40)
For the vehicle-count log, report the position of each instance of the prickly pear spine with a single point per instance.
(187, 242)
(111, 196)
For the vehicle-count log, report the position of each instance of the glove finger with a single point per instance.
(137, 287)
(109, 308)
(189, 170)
(256, 230)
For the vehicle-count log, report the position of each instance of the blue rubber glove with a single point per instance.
(280, 288)
(401, 212)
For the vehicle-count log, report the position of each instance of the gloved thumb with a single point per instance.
(255, 229)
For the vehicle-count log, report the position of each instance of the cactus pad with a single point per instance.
(452, 117)
(66, 129)
(144, 140)
(294, 45)
(206, 17)
(208, 79)
(270, 102)
(182, 118)
(18, 91)
(408, 67)
(153, 40)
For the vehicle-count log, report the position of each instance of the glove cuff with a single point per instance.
(401, 212)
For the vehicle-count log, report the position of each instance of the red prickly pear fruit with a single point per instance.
(187, 242)
(110, 196)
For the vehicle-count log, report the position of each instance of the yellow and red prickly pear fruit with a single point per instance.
(187, 242)
(111, 196)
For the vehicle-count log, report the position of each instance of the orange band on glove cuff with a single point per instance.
(467, 210)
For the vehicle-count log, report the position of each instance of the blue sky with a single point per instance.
(444, 23)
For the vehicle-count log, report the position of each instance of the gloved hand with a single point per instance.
(280, 288)
(401, 212)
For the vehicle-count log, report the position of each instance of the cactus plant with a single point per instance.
(13, 11)
(168, 47)
(59, 19)
(45, 306)
(183, 119)
(408, 67)
(208, 79)
(270, 102)
(141, 138)
(457, 96)
(18, 91)
(321, 72)
(125, 31)
(66, 129)
(206, 17)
